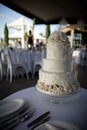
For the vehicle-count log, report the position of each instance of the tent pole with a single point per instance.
(22, 38)
(72, 38)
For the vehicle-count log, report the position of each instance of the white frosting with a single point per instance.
(57, 84)
(58, 47)
(51, 65)
(52, 78)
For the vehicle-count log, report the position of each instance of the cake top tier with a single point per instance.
(57, 37)
(58, 46)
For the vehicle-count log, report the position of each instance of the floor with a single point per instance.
(19, 83)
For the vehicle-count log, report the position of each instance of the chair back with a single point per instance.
(1, 69)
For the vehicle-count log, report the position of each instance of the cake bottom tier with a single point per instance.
(57, 83)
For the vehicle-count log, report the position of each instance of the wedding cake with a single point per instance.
(57, 76)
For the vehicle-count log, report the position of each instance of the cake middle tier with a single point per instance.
(53, 65)
(61, 79)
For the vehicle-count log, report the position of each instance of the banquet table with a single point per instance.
(72, 108)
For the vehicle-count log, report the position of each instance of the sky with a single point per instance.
(8, 15)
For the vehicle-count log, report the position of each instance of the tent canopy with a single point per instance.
(17, 24)
(15, 35)
(22, 26)
(50, 11)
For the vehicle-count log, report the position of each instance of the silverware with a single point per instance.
(18, 113)
(15, 121)
(39, 123)
(38, 119)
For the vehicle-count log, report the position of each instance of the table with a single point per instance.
(27, 57)
(72, 109)
(80, 57)
(30, 58)
(23, 56)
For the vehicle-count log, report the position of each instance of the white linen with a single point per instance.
(30, 58)
(80, 57)
(77, 55)
(73, 109)
(26, 56)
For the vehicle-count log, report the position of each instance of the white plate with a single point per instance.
(57, 125)
(11, 106)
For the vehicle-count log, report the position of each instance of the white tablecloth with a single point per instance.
(72, 109)
(28, 57)
(80, 57)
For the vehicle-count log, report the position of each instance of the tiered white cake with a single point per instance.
(57, 76)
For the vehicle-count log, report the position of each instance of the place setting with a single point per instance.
(14, 112)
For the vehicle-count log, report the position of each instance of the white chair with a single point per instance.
(12, 66)
(39, 62)
(1, 69)
(36, 63)
(2, 64)
(77, 56)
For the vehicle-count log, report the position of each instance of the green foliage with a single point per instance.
(47, 32)
(34, 21)
(6, 35)
(25, 36)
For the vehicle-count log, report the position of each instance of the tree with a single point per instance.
(6, 35)
(34, 22)
(25, 36)
(47, 31)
